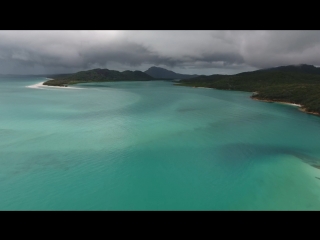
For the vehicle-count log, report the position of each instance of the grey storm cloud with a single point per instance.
(57, 51)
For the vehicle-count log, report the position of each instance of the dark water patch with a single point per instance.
(239, 153)
(313, 161)
(42, 161)
(6, 131)
(26, 139)
(240, 119)
(188, 109)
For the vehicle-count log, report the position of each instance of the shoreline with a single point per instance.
(300, 107)
(270, 101)
(305, 111)
(41, 86)
(179, 84)
(203, 87)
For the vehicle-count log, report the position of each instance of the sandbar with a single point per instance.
(41, 86)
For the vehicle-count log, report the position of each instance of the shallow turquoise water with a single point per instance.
(153, 146)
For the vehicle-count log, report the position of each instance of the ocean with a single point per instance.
(153, 146)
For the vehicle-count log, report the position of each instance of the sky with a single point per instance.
(188, 51)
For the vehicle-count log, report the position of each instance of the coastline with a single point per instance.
(179, 84)
(203, 87)
(270, 101)
(41, 86)
(305, 111)
(253, 96)
(300, 107)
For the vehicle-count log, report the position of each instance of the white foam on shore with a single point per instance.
(41, 86)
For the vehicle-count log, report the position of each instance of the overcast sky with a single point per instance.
(198, 52)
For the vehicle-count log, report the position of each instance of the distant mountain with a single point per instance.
(157, 72)
(98, 75)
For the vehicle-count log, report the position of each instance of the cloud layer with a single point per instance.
(184, 51)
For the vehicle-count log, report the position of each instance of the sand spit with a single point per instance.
(41, 86)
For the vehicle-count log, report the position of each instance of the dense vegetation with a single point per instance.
(294, 84)
(157, 72)
(98, 75)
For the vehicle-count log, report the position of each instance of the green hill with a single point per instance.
(293, 84)
(301, 68)
(98, 75)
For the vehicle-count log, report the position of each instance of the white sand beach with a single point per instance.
(292, 104)
(286, 103)
(41, 86)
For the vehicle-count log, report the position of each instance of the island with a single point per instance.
(106, 75)
(98, 75)
(295, 84)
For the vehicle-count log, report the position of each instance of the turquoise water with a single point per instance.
(153, 146)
